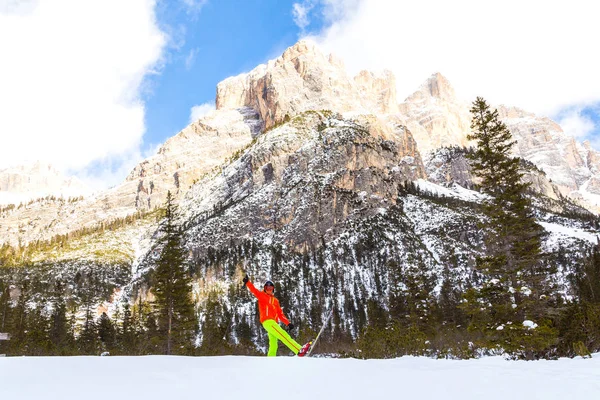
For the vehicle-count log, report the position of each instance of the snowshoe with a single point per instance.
(304, 349)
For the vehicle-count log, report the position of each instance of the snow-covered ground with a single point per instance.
(289, 378)
(456, 191)
(560, 231)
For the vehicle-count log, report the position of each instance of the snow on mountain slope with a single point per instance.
(438, 118)
(456, 191)
(185, 158)
(561, 231)
(183, 378)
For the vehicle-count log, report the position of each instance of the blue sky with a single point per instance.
(222, 39)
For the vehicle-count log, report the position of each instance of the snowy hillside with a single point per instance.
(182, 378)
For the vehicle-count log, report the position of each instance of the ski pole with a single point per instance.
(321, 331)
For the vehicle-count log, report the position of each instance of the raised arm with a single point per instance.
(252, 288)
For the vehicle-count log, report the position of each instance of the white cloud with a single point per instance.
(194, 6)
(574, 123)
(191, 58)
(17, 7)
(71, 76)
(200, 111)
(300, 12)
(335, 10)
(537, 55)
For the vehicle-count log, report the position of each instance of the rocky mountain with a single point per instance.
(571, 165)
(305, 79)
(437, 118)
(29, 182)
(321, 182)
(302, 182)
(197, 150)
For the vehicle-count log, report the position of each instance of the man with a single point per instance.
(270, 315)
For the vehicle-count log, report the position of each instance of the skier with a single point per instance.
(270, 315)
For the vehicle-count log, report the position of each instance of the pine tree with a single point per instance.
(59, 330)
(59, 324)
(587, 281)
(4, 305)
(18, 322)
(514, 270)
(106, 332)
(126, 337)
(173, 287)
(88, 339)
(37, 337)
(580, 321)
(213, 327)
(5, 310)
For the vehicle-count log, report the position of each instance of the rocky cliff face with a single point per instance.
(302, 182)
(303, 79)
(185, 158)
(544, 143)
(436, 116)
(24, 183)
(449, 166)
(571, 165)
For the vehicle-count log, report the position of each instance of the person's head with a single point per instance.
(269, 287)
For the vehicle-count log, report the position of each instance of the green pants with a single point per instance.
(277, 333)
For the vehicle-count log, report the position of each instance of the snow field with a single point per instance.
(237, 377)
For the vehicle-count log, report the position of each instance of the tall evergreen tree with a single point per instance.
(173, 287)
(59, 329)
(580, 322)
(59, 324)
(126, 335)
(587, 280)
(37, 337)
(4, 305)
(152, 341)
(106, 332)
(214, 328)
(18, 323)
(516, 274)
(88, 339)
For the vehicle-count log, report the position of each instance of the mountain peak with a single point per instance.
(437, 85)
(302, 47)
(304, 78)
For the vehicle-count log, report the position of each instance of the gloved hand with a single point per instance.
(245, 280)
(290, 326)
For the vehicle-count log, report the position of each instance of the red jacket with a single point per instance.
(268, 306)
